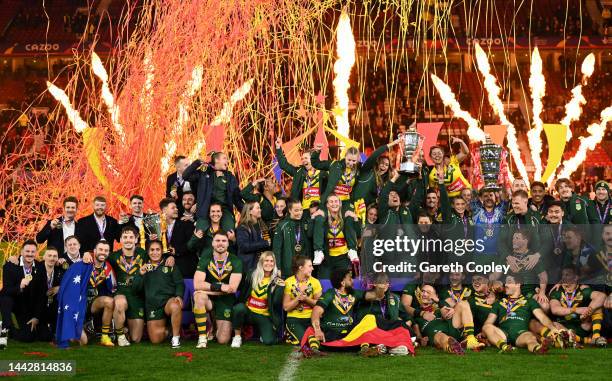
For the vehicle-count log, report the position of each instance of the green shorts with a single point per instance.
(513, 334)
(155, 313)
(440, 325)
(222, 306)
(296, 328)
(135, 303)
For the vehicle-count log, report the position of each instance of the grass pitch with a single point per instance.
(257, 362)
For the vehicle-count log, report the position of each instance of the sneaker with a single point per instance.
(454, 347)
(3, 337)
(402, 350)
(123, 341)
(563, 340)
(202, 341)
(542, 348)
(175, 342)
(236, 342)
(473, 344)
(382, 349)
(106, 341)
(600, 342)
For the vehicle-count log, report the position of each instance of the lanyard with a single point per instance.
(220, 270)
(602, 217)
(101, 227)
(50, 280)
(169, 230)
(344, 301)
(569, 299)
(298, 235)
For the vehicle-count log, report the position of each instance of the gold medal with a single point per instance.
(65, 266)
(306, 196)
(489, 232)
(298, 248)
(28, 277)
(128, 281)
(557, 251)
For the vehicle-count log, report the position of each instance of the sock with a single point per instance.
(118, 331)
(313, 342)
(500, 344)
(583, 340)
(200, 318)
(596, 318)
(535, 348)
(106, 329)
(468, 330)
(175, 337)
(544, 332)
(364, 345)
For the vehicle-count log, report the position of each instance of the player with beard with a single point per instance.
(488, 214)
(187, 212)
(100, 290)
(216, 282)
(57, 230)
(513, 314)
(96, 226)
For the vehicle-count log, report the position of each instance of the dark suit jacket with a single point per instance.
(186, 260)
(170, 181)
(48, 312)
(53, 237)
(88, 234)
(27, 303)
(203, 176)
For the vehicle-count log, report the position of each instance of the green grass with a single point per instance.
(255, 362)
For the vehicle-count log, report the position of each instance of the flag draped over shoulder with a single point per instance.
(371, 331)
(72, 303)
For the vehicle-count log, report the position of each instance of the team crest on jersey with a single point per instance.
(578, 205)
(165, 269)
(227, 313)
(152, 315)
(392, 301)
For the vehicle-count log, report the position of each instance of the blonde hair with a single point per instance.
(247, 219)
(258, 273)
(329, 217)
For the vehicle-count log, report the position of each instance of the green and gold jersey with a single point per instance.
(531, 278)
(480, 308)
(126, 269)
(257, 302)
(310, 288)
(219, 271)
(160, 284)
(577, 298)
(455, 294)
(513, 315)
(339, 309)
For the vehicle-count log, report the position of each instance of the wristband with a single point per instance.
(215, 287)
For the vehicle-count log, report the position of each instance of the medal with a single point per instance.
(489, 232)
(65, 266)
(298, 248)
(28, 277)
(557, 251)
(602, 216)
(128, 281)
(298, 236)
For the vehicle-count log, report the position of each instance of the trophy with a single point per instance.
(490, 158)
(152, 224)
(411, 150)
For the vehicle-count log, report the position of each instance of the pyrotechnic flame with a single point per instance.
(73, 115)
(493, 91)
(147, 89)
(193, 85)
(345, 49)
(537, 84)
(107, 96)
(597, 132)
(224, 116)
(475, 133)
(573, 108)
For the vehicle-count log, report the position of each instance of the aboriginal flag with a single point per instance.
(371, 330)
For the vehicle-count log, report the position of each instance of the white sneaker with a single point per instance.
(402, 350)
(3, 342)
(202, 341)
(123, 341)
(236, 342)
(176, 343)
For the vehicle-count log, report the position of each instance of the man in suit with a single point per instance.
(58, 229)
(175, 237)
(176, 183)
(21, 295)
(135, 219)
(96, 226)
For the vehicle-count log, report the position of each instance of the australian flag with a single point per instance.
(72, 303)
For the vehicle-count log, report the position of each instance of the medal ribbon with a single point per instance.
(602, 217)
(344, 301)
(220, 270)
(101, 227)
(50, 280)
(456, 296)
(465, 225)
(569, 299)
(511, 305)
(129, 268)
(383, 306)
(27, 270)
(98, 275)
(298, 235)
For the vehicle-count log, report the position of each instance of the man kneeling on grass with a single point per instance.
(513, 314)
(334, 325)
(163, 289)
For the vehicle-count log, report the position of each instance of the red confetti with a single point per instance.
(188, 355)
(37, 354)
